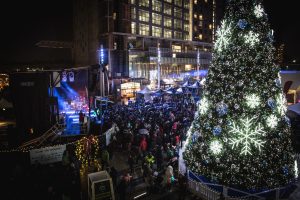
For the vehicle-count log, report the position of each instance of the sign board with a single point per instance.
(47, 155)
(100, 186)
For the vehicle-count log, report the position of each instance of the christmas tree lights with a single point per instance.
(244, 137)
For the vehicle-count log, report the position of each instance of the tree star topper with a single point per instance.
(246, 136)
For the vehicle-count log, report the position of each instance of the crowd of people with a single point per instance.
(151, 134)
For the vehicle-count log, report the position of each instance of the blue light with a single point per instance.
(101, 55)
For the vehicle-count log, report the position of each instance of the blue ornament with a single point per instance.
(195, 136)
(287, 120)
(285, 170)
(278, 82)
(206, 125)
(242, 23)
(222, 109)
(271, 103)
(217, 130)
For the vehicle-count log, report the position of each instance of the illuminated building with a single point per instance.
(131, 30)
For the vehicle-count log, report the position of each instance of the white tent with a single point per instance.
(5, 104)
(146, 90)
(179, 91)
(195, 85)
(295, 108)
(185, 84)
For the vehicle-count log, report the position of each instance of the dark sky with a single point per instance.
(23, 23)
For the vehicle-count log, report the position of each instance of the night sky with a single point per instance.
(24, 23)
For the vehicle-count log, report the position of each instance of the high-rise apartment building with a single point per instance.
(132, 30)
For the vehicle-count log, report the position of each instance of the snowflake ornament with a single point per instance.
(252, 100)
(251, 38)
(272, 121)
(281, 104)
(246, 135)
(215, 147)
(258, 11)
(203, 107)
(223, 35)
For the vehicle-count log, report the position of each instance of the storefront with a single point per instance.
(128, 91)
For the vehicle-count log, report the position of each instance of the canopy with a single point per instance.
(195, 85)
(295, 108)
(170, 90)
(186, 84)
(158, 92)
(146, 90)
(5, 104)
(179, 91)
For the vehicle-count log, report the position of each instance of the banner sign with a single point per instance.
(47, 155)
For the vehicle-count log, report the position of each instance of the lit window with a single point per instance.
(177, 24)
(178, 2)
(176, 48)
(200, 36)
(156, 31)
(186, 16)
(178, 35)
(195, 16)
(210, 26)
(177, 12)
(195, 2)
(195, 28)
(133, 28)
(144, 29)
(156, 18)
(156, 5)
(186, 36)
(133, 13)
(170, 1)
(168, 21)
(186, 27)
(205, 1)
(200, 23)
(144, 16)
(167, 33)
(186, 4)
(144, 3)
(168, 9)
(132, 1)
(201, 17)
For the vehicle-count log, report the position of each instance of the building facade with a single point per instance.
(132, 31)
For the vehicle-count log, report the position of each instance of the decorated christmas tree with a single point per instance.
(240, 136)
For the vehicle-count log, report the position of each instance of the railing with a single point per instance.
(206, 191)
(53, 131)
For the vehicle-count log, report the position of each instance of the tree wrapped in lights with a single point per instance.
(87, 149)
(245, 135)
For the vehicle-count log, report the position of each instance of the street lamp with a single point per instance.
(198, 64)
(101, 75)
(158, 65)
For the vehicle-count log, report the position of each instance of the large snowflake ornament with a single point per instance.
(203, 107)
(215, 147)
(223, 35)
(281, 104)
(272, 121)
(246, 135)
(251, 38)
(252, 100)
(258, 11)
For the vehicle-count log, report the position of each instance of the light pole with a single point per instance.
(101, 75)
(158, 65)
(198, 64)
